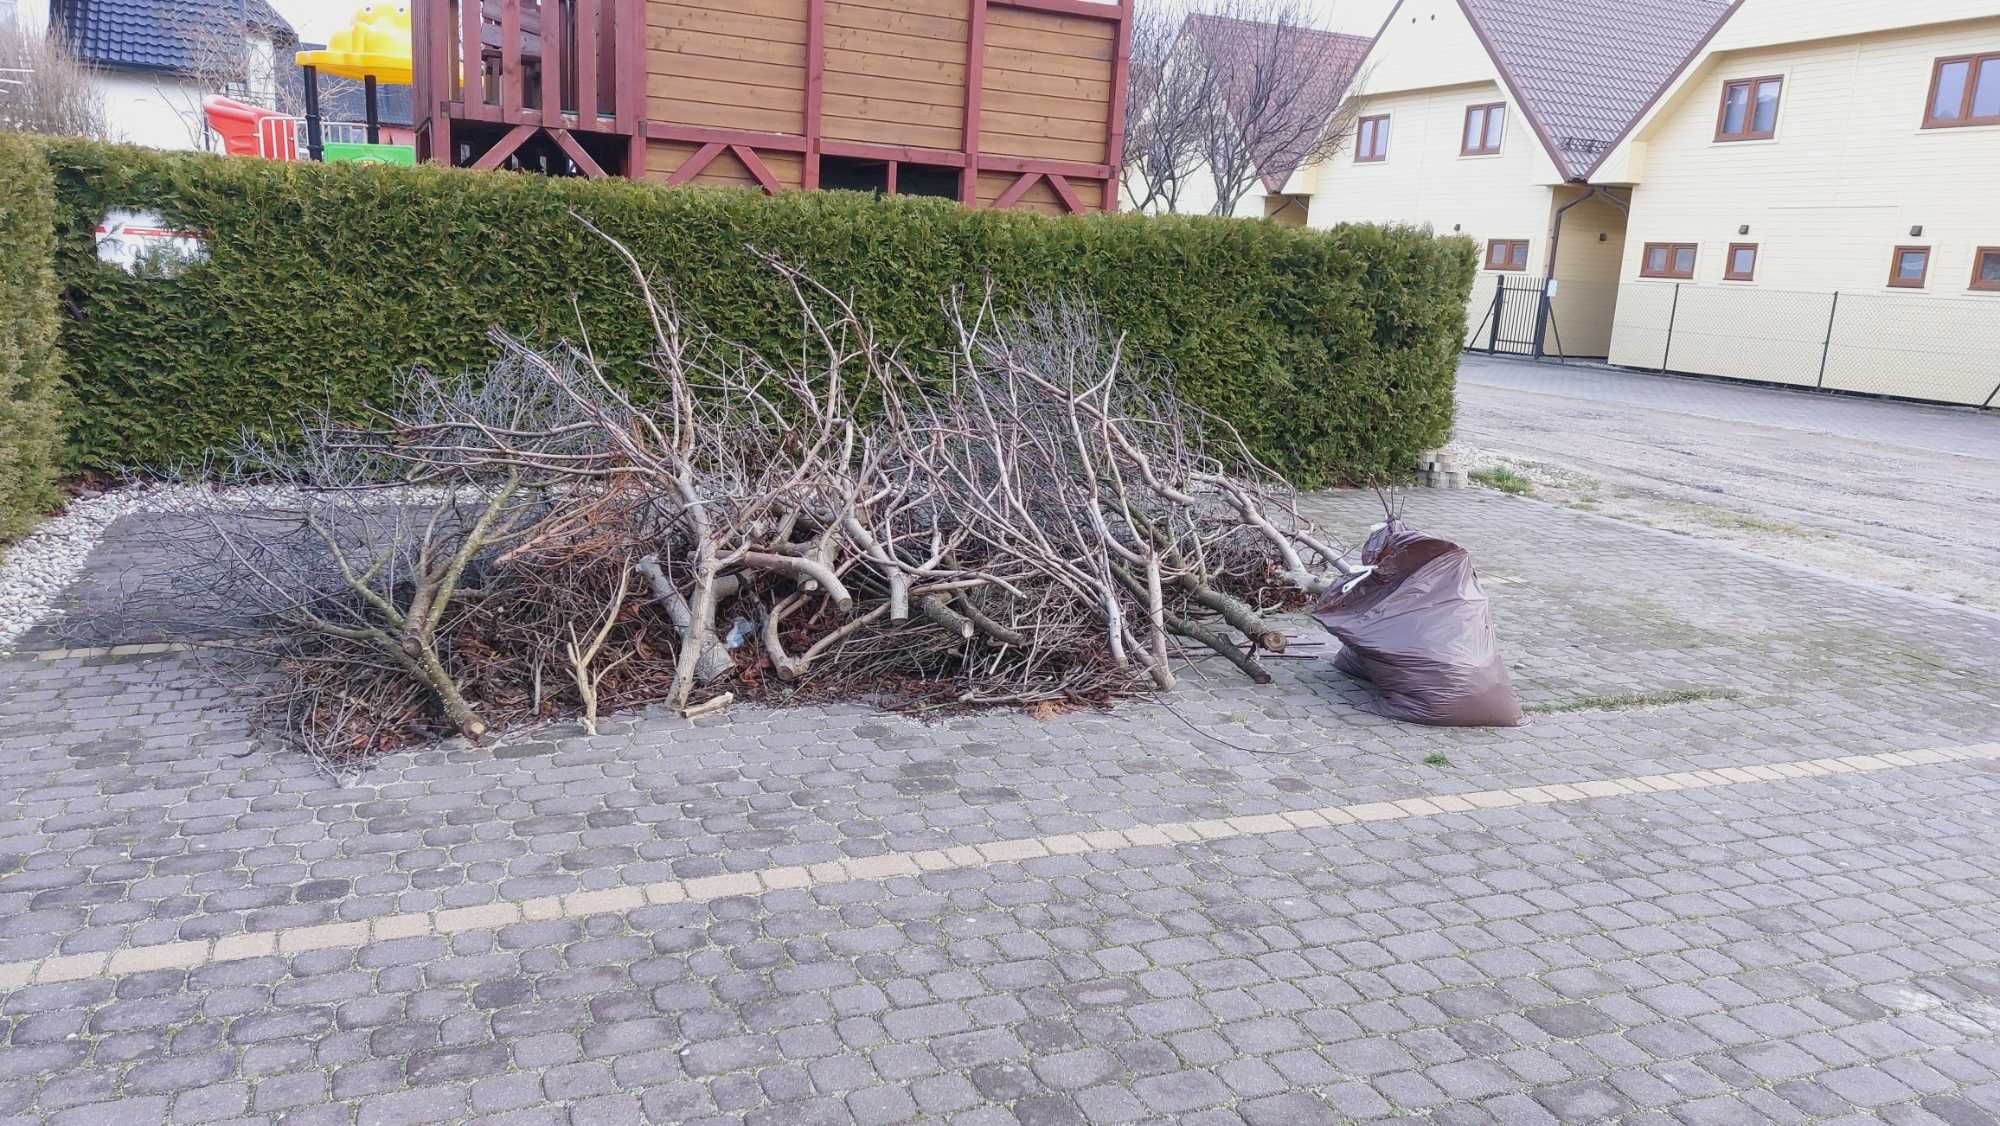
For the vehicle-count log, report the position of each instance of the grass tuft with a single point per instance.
(1504, 479)
(1629, 700)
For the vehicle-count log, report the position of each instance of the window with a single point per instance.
(1909, 267)
(1372, 139)
(1742, 264)
(1964, 91)
(1986, 268)
(1749, 110)
(1483, 127)
(1668, 260)
(1507, 254)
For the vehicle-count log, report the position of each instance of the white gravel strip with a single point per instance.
(35, 571)
(43, 565)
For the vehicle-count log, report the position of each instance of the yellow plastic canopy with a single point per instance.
(376, 45)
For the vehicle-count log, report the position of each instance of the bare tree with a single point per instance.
(1281, 89)
(231, 55)
(44, 89)
(1170, 108)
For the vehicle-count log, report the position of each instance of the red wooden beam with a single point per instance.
(1017, 189)
(1085, 8)
(702, 135)
(1121, 75)
(755, 164)
(815, 86)
(702, 158)
(891, 187)
(576, 152)
(975, 86)
(495, 156)
(907, 154)
(1064, 192)
(1056, 167)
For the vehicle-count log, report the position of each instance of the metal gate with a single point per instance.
(1516, 318)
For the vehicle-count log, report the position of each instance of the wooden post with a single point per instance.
(372, 95)
(512, 80)
(975, 85)
(552, 62)
(1121, 66)
(586, 64)
(815, 88)
(471, 56)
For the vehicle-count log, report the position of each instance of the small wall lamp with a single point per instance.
(1744, 229)
(1917, 231)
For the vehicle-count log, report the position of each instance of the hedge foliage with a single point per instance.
(30, 382)
(1333, 352)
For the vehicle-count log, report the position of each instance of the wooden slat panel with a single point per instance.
(894, 68)
(699, 70)
(1029, 125)
(1045, 105)
(1041, 99)
(742, 111)
(844, 13)
(680, 16)
(1071, 46)
(730, 64)
(878, 85)
(722, 45)
(874, 130)
(1015, 19)
(888, 43)
(949, 9)
(1046, 148)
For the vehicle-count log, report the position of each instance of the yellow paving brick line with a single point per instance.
(295, 940)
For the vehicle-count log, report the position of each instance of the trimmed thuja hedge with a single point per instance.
(1333, 352)
(30, 382)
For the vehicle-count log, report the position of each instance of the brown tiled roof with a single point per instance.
(1584, 70)
(1219, 37)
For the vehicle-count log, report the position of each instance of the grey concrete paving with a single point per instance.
(1780, 949)
(1896, 493)
(1939, 429)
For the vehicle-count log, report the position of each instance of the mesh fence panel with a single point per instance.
(1946, 349)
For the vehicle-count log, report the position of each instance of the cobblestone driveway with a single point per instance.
(1778, 901)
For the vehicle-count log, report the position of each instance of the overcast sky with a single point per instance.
(316, 19)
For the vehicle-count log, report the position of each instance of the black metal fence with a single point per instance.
(1935, 347)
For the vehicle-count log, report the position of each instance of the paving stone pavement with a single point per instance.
(1788, 947)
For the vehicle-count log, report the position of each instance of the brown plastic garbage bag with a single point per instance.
(1418, 626)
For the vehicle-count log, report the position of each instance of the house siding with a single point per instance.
(1425, 182)
(1849, 173)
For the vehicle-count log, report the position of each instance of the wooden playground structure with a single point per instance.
(995, 103)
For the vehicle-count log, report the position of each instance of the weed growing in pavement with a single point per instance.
(1628, 700)
(1504, 479)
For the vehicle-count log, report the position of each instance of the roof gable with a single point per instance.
(1585, 70)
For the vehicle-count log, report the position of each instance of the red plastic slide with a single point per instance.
(248, 130)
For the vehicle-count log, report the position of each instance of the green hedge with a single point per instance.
(30, 382)
(1334, 352)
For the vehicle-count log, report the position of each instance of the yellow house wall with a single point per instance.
(1425, 182)
(1588, 256)
(1849, 173)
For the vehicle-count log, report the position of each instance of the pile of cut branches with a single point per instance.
(1053, 525)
